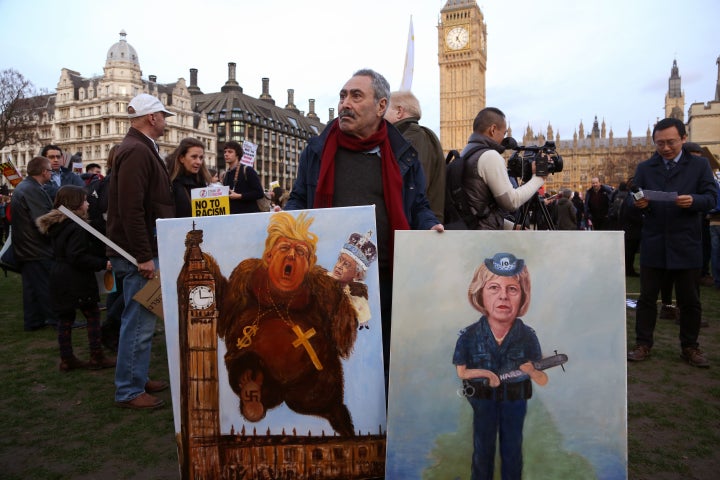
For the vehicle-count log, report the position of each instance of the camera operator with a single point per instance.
(486, 180)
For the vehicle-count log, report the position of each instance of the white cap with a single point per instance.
(145, 104)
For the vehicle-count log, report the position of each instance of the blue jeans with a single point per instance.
(715, 253)
(490, 419)
(36, 294)
(136, 333)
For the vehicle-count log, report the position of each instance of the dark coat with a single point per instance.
(597, 204)
(77, 258)
(181, 190)
(29, 202)
(245, 181)
(672, 236)
(431, 157)
(566, 214)
(139, 194)
(67, 177)
(415, 203)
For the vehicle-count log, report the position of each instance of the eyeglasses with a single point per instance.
(53, 157)
(48, 169)
(510, 290)
(669, 143)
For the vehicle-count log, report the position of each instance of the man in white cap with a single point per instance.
(139, 194)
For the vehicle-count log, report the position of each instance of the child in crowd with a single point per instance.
(72, 277)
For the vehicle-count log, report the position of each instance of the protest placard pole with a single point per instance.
(97, 234)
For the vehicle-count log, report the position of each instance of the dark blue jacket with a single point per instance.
(67, 177)
(415, 203)
(672, 236)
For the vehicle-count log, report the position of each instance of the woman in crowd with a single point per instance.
(187, 171)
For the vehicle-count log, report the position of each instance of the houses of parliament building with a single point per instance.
(88, 115)
(593, 151)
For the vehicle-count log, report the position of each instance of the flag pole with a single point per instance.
(409, 67)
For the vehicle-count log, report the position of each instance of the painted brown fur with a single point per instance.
(267, 361)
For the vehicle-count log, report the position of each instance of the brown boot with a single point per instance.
(99, 361)
(72, 363)
(639, 353)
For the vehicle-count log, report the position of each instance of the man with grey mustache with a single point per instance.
(362, 159)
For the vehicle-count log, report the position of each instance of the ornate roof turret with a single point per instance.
(122, 52)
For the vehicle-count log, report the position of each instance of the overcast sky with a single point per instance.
(558, 62)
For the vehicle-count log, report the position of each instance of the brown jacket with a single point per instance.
(430, 154)
(139, 193)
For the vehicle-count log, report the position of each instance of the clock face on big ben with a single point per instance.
(201, 297)
(457, 38)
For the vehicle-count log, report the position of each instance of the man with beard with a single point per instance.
(286, 324)
(361, 159)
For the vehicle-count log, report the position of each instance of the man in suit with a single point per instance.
(671, 242)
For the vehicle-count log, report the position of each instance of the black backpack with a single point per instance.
(458, 213)
(98, 202)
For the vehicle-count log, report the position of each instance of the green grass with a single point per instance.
(66, 426)
(673, 408)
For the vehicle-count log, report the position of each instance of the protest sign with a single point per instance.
(11, 172)
(249, 152)
(208, 201)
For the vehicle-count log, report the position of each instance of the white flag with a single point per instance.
(409, 61)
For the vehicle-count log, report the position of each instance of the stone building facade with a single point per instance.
(280, 133)
(89, 115)
(704, 121)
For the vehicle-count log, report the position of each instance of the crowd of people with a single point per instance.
(59, 260)
(374, 152)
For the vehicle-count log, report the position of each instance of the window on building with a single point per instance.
(236, 114)
(317, 454)
(293, 121)
(237, 130)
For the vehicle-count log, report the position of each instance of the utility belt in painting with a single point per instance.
(506, 391)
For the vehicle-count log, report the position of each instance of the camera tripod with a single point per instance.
(536, 206)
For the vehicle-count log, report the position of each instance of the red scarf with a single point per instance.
(391, 179)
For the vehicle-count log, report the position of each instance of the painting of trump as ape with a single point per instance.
(290, 354)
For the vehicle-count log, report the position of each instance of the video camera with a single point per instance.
(546, 159)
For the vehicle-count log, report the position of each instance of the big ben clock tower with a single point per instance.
(462, 56)
(199, 388)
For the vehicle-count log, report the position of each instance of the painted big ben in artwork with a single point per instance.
(462, 57)
(197, 297)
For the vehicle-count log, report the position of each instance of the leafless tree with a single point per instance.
(18, 109)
